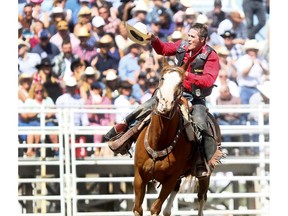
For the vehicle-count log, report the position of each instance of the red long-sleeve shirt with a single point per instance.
(210, 70)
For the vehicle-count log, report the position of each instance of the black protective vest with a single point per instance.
(196, 67)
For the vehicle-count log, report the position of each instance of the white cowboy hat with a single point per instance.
(176, 35)
(137, 33)
(186, 3)
(140, 6)
(71, 82)
(251, 44)
(111, 75)
(92, 71)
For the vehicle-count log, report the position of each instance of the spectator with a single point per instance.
(235, 49)
(111, 23)
(139, 13)
(75, 6)
(38, 97)
(217, 15)
(121, 39)
(57, 14)
(24, 84)
(27, 19)
(78, 67)
(226, 98)
(151, 84)
(157, 8)
(262, 97)
(85, 51)
(62, 34)
(167, 25)
(36, 27)
(189, 19)
(223, 80)
(96, 4)
(45, 48)
(251, 69)
(129, 69)
(20, 32)
(27, 61)
(49, 79)
(103, 61)
(96, 97)
(62, 62)
(68, 12)
(112, 84)
(235, 24)
(97, 28)
(253, 8)
(72, 99)
(38, 13)
(124, 10)
(84, 20)
(227, 64)
(90, 76)
(124, 101)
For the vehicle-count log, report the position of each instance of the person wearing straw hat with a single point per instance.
(198, 83)
(24, 84)
(63, 33)
(103, 60)
(85, 51)
(84, 19)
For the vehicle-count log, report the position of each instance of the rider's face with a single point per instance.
(195, 42)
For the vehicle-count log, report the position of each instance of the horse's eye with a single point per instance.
(162, 78)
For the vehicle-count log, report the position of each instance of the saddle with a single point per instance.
(124, 141)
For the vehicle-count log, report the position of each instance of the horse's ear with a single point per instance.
(185, 65)
(164, 61)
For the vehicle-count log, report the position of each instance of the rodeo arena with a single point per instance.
(84, 65)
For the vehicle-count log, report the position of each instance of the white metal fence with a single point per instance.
(67, 184)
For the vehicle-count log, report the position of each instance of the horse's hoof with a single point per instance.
(136, 213)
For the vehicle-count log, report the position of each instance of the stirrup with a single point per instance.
(202, 172)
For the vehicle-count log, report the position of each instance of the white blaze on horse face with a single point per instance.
(166, 92)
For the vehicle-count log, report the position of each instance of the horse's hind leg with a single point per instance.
(202, 194)
(139, 190)
(168, 207)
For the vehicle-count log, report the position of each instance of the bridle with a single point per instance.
(177, 96)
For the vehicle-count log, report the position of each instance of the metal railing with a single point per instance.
(240, 185)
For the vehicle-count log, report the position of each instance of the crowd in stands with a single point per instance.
(77, 52)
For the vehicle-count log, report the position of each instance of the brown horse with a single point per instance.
(163, 152)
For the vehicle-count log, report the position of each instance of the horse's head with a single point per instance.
(170, 88)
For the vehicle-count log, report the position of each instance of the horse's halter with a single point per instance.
(177, 96)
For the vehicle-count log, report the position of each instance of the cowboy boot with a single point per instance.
(120, 128)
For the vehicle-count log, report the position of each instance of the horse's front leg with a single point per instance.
(166, 189)
(202, 194)
(139, 191)
(168, 207)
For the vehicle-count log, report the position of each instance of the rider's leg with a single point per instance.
(207, 145)
(140, 112)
